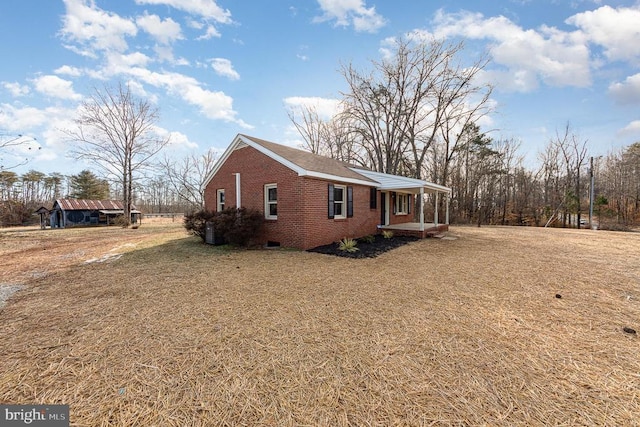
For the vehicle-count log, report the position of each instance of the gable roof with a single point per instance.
(90, 205)
(302, 162)
(305, 163)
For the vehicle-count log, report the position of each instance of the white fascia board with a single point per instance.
(337, 178)
(428, 188)
(437, 188)
(396, 182)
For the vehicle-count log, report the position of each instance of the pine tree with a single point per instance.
(86, 185)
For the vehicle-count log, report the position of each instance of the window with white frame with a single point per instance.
(220, 200)
(271, 201)
(339, 201)
(402, 204)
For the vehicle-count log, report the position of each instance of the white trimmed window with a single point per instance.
(271, 201)
(220, 200)
(402, 204)
(339, 201)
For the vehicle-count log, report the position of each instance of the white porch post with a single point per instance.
(238, 201)
(435, 213)
(447, 213)
(421, 208)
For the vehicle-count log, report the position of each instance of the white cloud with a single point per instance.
(176, 139)
(557, 58)
(632, 128)
(351, 12)
(138, 89)
(212, 104)
(118, 63)
(94, 29)
(210, 33)
(627, 92)
(195, 24)
(223, 67)
(164, 31)
(16, 89)
(15, 119)
(56, 87)
(68, 70)
(510, 80)
(207, 9)
(325, 107)
(616, 30)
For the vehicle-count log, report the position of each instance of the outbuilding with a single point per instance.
(82, 212)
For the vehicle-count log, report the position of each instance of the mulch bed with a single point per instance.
(379, 246)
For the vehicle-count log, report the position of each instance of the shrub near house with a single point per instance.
(235, 226)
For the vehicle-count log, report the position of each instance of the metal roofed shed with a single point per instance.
(83, 212)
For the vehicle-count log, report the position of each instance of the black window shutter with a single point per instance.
(409, 197)
(349, 201)
(331, 207)
(373, 198)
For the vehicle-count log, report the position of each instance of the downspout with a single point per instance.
(238, 200)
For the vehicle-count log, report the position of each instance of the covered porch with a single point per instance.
(412, 229)
(419, 189)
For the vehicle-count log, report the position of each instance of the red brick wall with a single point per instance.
(320, 230)
(302, 202)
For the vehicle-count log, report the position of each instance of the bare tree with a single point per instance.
(186, 177)
(13, 148)
(116, 132)
(310, 127)
(333, 137)
(418, 95)
(574, 159)
(563, 160)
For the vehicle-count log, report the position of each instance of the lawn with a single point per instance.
(492, 326)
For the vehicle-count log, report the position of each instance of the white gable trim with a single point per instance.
(216, 167)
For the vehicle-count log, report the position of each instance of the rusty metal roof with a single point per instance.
(84, 204)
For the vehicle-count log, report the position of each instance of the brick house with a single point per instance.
(310, 200)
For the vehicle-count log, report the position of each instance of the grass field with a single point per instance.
(496, 326)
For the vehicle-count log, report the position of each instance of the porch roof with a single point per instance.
(402, 183)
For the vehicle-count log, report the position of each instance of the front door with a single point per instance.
(384, 208)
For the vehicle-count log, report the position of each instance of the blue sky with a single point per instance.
(216, 68)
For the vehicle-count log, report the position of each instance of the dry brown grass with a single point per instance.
(438, 332)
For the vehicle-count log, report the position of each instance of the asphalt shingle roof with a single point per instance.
(310, 161)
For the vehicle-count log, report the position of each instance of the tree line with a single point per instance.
(417, 113)
(162, 192)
